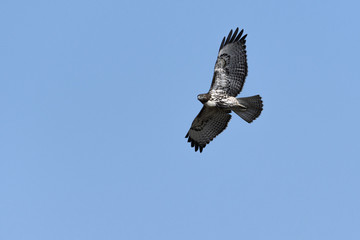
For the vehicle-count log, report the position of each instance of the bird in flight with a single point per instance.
(229, 76)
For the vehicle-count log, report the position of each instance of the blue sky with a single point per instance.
(97, 96)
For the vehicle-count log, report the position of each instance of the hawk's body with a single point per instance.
(229, 77)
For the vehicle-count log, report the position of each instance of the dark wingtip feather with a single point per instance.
(222, 44)
(234, 35)
(231, 38)
(239, 35)
(195, 144)
(243, 38)
(228, 37)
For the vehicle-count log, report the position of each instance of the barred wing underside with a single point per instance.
(231, 65)
(209, 123)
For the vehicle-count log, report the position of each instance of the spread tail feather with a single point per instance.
(253, 107)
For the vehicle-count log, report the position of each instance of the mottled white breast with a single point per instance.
(210, 103)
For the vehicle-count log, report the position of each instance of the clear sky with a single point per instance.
(96, 98)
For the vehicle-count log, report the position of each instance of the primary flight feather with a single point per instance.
(229, 76)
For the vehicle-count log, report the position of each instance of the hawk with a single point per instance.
(229, 76)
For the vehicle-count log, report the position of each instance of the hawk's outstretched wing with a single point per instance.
(209, 123)
(231, 65)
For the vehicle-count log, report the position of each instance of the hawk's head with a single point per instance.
(203, 98)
